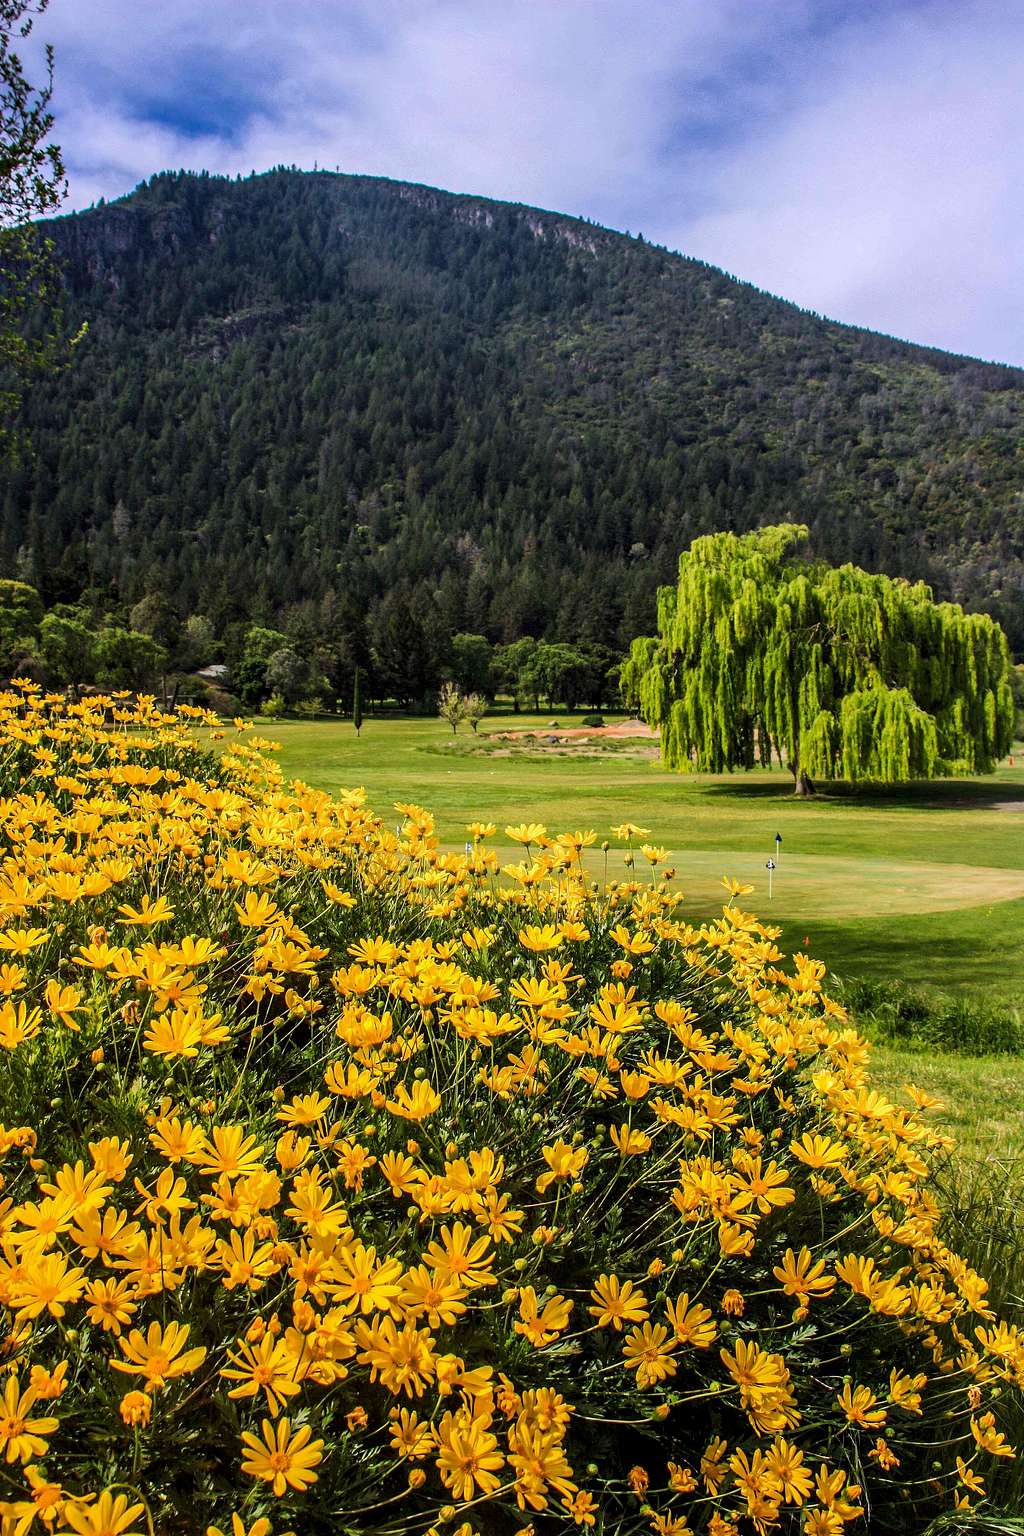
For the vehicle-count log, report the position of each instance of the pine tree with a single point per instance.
(834, 671)
(357, 700)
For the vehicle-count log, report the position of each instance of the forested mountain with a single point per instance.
(381, 414)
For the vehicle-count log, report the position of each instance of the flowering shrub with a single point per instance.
(360, 1185)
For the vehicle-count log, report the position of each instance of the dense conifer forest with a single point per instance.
(368, 416)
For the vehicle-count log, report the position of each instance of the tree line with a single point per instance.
(311, 663)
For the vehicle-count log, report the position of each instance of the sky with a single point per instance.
(864, 158)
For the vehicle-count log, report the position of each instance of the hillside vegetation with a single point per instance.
(393, 411)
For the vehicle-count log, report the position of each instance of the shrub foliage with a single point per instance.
(352, 1184)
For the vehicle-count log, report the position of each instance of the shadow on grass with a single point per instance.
(924, 794)
(963, 952)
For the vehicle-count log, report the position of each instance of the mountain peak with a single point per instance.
(300, 384)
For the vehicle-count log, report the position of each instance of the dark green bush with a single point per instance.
(593, 720)
(895, 1014)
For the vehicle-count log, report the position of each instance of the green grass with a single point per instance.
(924, 883)
(982, 1097)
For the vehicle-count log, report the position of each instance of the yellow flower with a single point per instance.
(540, 938)
(969, 1479)
(763, 1382)
(989, 1438)
(175, 1034)
(618, 1302)
(541, 1326)
(633, 943)
(884, 1455)
(802, 1278)
(361, 1283)
(733, 1303)
(111, 1157)
(21, 1435)
(46, 1504)
(109, 1515)
(306, 1109)
(630, 1142)
(411, 1436)
(403, 1358)
(786, 1463)
(425, 1293)
(527, 833)
(692, 1322)
(48, 1284)
(268, 1367)
(459, 1256)
(49, 1384)
(712, 1469)
(159, 1355)
(859, 1406)
(648, 1350)
(148, 913)
(818, 1151)
(564, 1162)
(136, 1408)
(468, 1458)
(260, 1527)
(256, 911)
(905, 1391)
(420, 1104)
(63, 1003)
(18, 1023)
(177, 1141)
(281, 1458)
(21, 941)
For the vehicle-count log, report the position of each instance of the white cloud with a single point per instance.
(890, 195)
(866, 167)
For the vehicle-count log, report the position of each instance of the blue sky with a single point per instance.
(862, 157)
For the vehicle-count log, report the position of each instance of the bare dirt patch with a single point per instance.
(568, 733)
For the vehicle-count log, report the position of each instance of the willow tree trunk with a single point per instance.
(803, 784)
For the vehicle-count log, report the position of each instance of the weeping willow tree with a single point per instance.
(762, 656)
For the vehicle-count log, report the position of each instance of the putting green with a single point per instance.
(806, 885)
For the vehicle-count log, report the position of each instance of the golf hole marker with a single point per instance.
(772, 864)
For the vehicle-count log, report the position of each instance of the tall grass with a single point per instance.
(983, 1204)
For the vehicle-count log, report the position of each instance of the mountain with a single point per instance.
(304, 392)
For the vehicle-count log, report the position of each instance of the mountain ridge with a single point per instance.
(302, 385)
(437, 197)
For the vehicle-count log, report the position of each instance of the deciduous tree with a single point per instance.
(451, 706)
(840, 673)
(474, 708)
(31, 184)
(471, 663)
